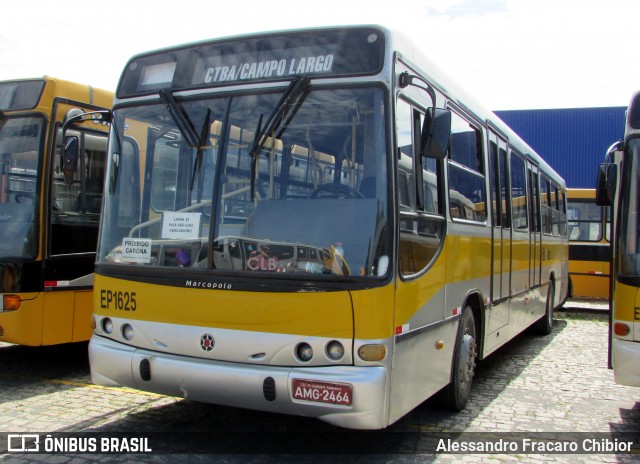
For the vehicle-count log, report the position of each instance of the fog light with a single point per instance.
(304, 352)
(127, 332)
(107, 325)
(621, 329)
(372, 352)
(335, 350)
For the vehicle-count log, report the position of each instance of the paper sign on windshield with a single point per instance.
(137, 250)
(181, 225)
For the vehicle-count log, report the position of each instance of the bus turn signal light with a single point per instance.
(621, 329)
(372, 352)
(11, 302)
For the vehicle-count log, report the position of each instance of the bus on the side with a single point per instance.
(589, 226)
(49, 208)
(619, 187)
(316, 222)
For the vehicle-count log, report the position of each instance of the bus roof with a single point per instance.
(25, 94)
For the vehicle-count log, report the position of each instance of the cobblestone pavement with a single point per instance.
(556, 384)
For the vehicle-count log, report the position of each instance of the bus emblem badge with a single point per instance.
(207, 342)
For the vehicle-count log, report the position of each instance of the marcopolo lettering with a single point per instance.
(211, 285)
(270, 68)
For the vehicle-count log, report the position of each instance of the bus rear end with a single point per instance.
(589, 245)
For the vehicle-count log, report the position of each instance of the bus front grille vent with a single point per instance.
(145, 370)
(269, 389)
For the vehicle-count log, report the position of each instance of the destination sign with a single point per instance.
(335, 52)
(280, 63)
(20, 95)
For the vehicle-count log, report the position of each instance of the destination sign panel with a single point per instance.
(314, 53)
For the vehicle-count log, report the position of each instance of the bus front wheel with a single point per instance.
(464, 363)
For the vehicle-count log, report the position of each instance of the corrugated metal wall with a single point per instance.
(573, 141)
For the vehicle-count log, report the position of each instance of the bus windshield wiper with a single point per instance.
(185, 126)
(179, 116)
(286, 108)
(197, 164)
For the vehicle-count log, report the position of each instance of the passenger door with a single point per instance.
(501, 233)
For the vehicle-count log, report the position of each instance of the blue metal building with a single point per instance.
(573, 141)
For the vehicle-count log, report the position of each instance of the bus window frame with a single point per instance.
(416, 213)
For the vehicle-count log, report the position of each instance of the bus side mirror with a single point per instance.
(436, 131)
(70, 155)
(606, 184)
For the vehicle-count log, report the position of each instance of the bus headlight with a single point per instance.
(304, 352)
(127, 332)
(107, 325)
(335, 350)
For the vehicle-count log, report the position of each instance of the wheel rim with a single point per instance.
(467, 358)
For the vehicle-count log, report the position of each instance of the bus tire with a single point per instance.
(544, 326)
(464, 362)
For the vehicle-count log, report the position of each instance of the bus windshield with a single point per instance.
(629, 248)
(20, 146)
(291, 181)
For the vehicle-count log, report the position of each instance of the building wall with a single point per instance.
(573, 141)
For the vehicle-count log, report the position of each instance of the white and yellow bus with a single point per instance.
(49, 208)
(321, 224)
(619, 187)
(589, 226)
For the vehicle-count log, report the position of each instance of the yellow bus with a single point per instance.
(618, 182)
(49, 209)
(321, 224)
(589, 251)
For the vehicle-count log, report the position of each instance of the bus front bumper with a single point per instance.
(626, 361)
(242, 385)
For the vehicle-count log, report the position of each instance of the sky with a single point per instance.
(510, 54)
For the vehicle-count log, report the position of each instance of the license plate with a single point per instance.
(322, 392)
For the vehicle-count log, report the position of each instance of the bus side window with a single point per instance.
(518, 194)
(405, 156)
(545, 191)
(467, 192)
(420, 235)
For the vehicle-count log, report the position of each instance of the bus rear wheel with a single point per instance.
(464, 363)
(545, 325)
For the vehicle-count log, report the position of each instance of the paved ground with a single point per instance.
(556, 384)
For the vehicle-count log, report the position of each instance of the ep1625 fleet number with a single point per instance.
(123, 301)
